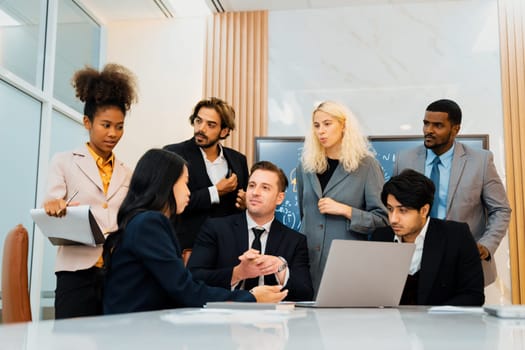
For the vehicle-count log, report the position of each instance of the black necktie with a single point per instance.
(257, 231)
(256, 244)
(434, 176)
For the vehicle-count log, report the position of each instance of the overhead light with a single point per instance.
(217, 5)
(166, 10)
(189, 8)
(7, 21)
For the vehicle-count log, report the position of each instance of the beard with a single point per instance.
(205, 142)
(436, 144)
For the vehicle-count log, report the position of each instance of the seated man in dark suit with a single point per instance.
(445, 268)
(278, 255)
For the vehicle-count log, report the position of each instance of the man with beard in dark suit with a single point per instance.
(217, 174)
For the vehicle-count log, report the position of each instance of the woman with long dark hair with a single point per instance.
(144, 268)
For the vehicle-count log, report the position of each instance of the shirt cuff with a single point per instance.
(286, 277)
(214, 195)
(236, 286)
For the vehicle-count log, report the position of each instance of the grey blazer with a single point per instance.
(359, 189)
(476, 195)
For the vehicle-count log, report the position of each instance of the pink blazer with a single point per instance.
(77, 170)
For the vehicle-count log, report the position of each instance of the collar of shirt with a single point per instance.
(216, 169)
(220, 157)
(415, 264)
(445, 158)
(251, 235)
(101, 163)
(105, 167)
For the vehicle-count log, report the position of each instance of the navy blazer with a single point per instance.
(222, 240)
(451, 272)
(146, 271)
(200, 207)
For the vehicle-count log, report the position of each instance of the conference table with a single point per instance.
(345, 328)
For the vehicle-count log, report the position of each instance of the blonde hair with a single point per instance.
(354, 146)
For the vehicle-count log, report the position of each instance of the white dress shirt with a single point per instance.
(415, 264)
(264, 239)
(217, 170)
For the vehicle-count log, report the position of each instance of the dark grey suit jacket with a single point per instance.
(475, 195)
(200, 207)
(450, 271)
(222, 240)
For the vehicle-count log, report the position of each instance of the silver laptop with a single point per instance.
(363, 274)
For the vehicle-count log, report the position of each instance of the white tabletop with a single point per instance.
(403, 328)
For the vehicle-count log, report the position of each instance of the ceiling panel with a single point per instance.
(253, 5)
(276, 5)
(122, 10)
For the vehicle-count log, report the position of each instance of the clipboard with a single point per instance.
(77, 227)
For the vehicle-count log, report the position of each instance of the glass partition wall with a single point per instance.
(42, 42)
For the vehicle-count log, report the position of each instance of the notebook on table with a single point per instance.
(363, 274)
(505, 311)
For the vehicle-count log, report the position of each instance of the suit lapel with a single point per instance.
(240, 227)
(196, 162)
(87, 165)
(430, 261)
(272, 247)
(117, 178)
(339, 175)
(421, 157)
(231, 164)
(314, 181)
(459, 160)
(274, 238)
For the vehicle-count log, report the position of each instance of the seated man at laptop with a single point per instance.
(252, 248)
(445, 268)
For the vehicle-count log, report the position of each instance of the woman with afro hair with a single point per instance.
(99, 180)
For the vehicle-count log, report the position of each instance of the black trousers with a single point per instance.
(79, 293)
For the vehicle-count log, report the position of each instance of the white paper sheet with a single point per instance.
(78, 226)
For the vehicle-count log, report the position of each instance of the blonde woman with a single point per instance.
(338, 184)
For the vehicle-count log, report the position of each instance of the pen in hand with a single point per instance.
(68, 201)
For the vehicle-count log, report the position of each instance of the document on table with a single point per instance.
(447, 309)
(233, 305)
(77, 227)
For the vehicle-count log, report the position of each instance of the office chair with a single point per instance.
(15, 293)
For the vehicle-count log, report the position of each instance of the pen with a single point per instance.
(68, 201)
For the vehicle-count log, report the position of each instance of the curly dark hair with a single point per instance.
(114, 86)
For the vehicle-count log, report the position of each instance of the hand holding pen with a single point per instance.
(57, 207)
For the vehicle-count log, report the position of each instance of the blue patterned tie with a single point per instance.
(434, 176)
